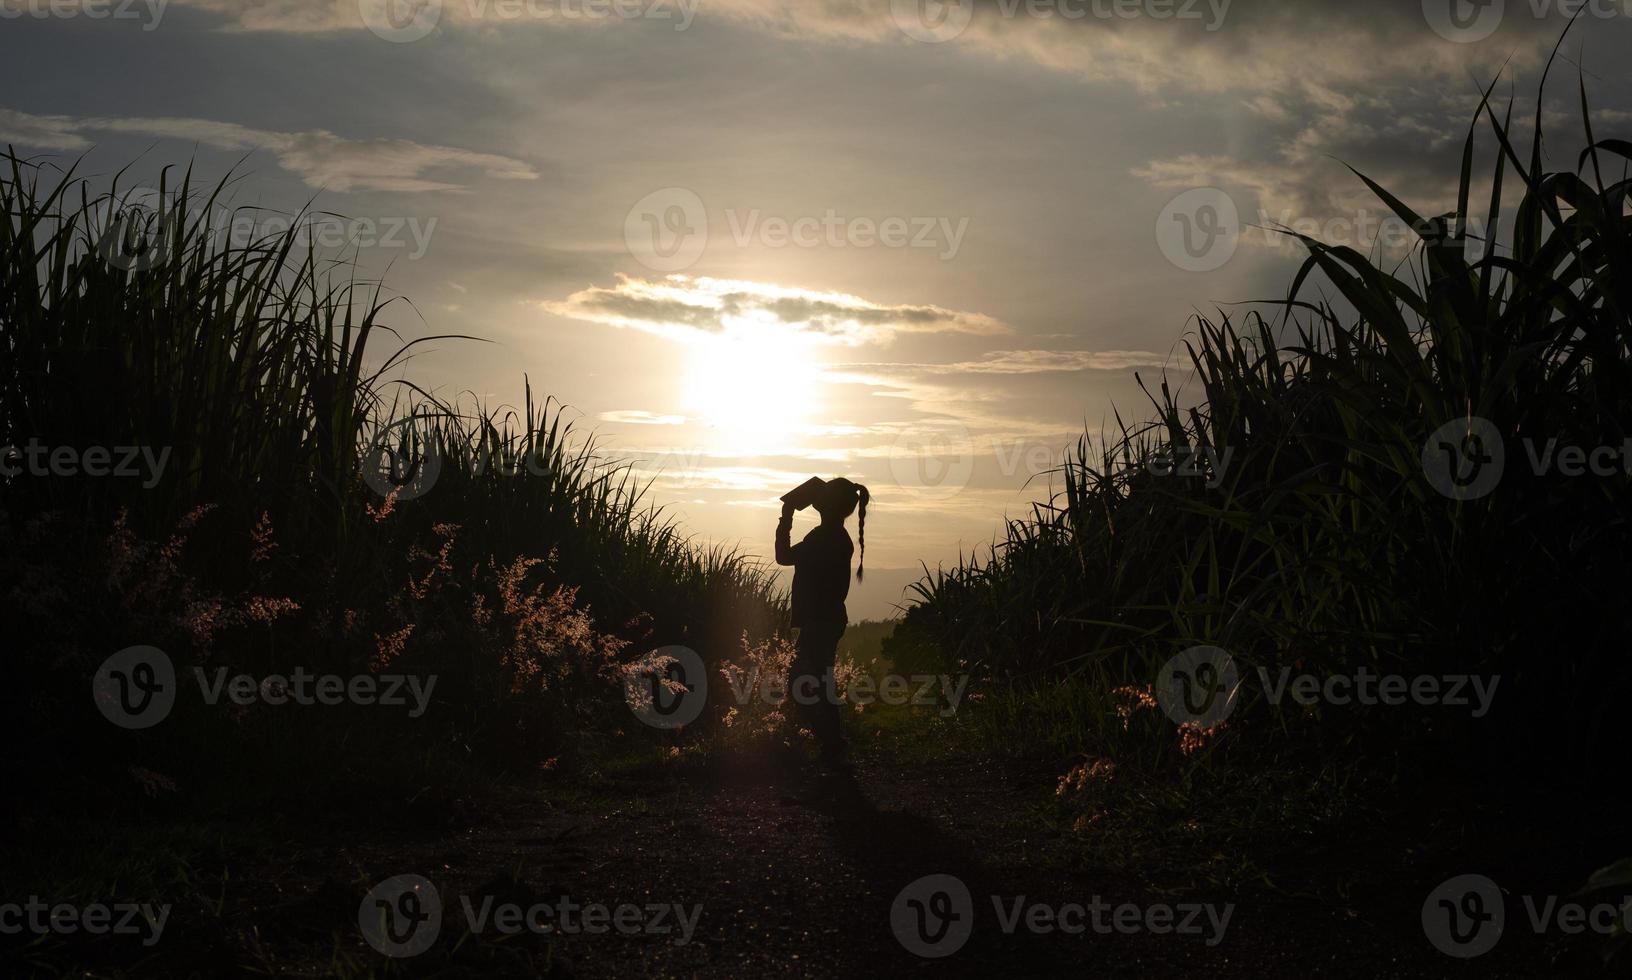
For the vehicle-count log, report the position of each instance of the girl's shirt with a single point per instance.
(821, 572)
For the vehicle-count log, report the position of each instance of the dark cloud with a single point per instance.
(319, 158)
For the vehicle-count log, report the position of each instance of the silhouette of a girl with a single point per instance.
(821, 581)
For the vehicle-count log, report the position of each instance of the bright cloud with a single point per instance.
(1027, 362)
(685, 306)
(638, 417)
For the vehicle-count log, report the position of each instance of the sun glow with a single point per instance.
(753, 384)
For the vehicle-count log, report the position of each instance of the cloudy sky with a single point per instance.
(925, 245)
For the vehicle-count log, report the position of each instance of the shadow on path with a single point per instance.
(893, 849)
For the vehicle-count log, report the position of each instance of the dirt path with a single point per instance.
(790, 876)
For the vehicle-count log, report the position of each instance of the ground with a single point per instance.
(795, 871)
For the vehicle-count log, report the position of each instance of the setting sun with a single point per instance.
(751, 384)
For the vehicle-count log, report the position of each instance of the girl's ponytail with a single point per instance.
(861, 532)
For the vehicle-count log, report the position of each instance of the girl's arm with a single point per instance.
(786, 552)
